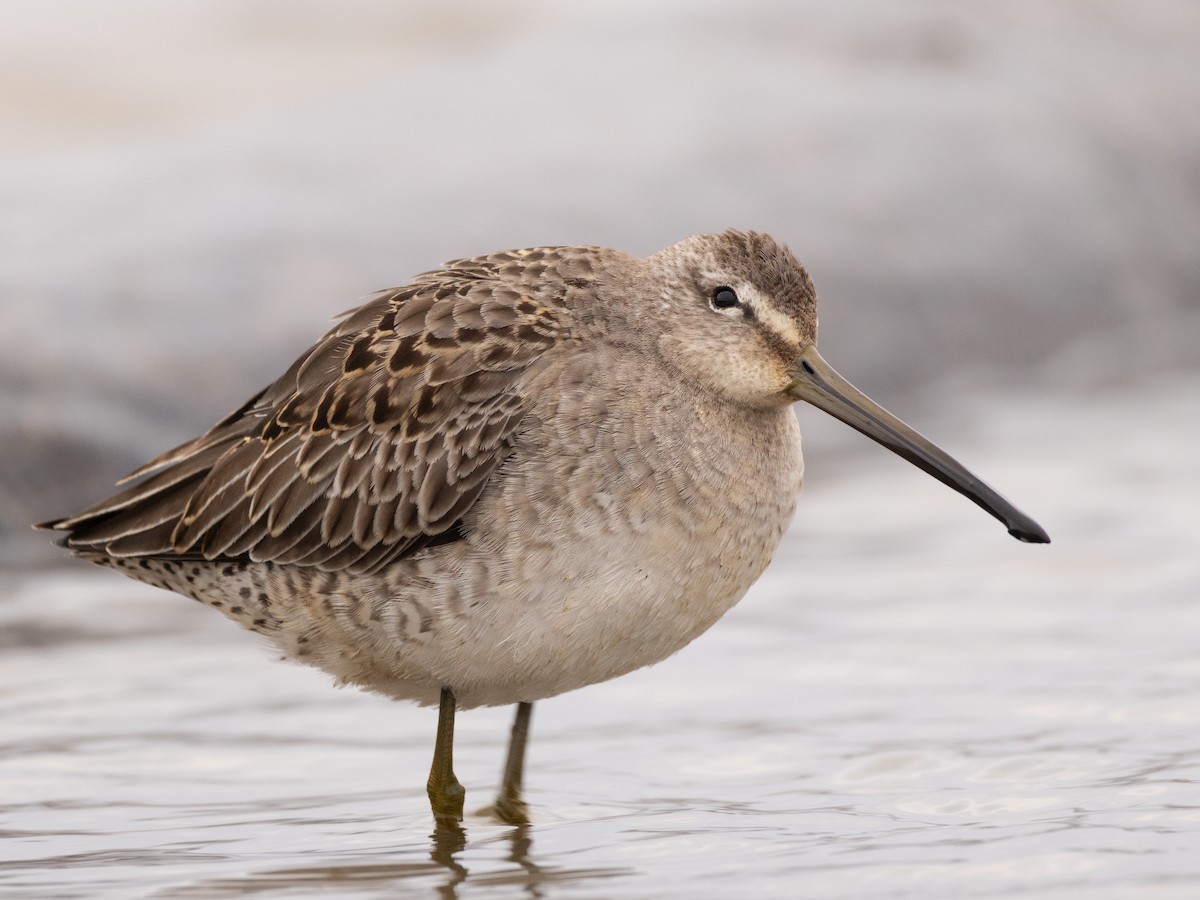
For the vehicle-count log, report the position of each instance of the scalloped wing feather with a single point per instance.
(376, 442)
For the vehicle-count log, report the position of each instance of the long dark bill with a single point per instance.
(817, 383)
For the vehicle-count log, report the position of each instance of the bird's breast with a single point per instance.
(622, 543)
(624, 523)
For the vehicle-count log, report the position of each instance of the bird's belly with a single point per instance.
(600, 596)
(624, 605)
(585, 589)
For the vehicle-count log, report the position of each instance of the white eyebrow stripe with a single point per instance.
(778, 322)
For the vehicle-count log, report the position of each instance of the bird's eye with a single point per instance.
(724, 298)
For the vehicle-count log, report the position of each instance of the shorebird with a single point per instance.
(517, 475)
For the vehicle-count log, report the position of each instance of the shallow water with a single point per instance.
(908, 704)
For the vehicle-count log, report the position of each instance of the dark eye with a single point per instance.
(724, 298)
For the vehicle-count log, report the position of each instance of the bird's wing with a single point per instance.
(372, 445)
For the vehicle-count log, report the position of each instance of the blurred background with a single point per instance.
(999, 204)
(1001, 195)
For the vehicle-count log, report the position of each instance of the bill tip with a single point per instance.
(1033, 535)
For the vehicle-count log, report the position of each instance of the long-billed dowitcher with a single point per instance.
(518, 475)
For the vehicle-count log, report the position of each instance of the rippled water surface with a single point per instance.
(908, 704)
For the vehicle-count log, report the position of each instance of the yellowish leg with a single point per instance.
(509, 805)
(446, 795)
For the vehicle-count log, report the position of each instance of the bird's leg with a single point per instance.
(446, 795)
(509, 805)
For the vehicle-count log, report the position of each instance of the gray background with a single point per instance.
(1000, 206)
(1005, 194)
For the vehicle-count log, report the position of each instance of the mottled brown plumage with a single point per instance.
(374, 444)
(515, 476)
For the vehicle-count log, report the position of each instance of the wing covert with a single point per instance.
(374, 443)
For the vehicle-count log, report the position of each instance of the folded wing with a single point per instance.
(374, 444)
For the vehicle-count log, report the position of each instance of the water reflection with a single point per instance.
(443, 875)
(449, 840)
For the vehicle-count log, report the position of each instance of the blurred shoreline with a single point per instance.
(989, 199)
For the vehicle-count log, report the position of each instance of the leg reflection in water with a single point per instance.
(450, 839)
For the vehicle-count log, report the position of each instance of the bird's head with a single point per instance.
(738, 318)
(737, 309)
